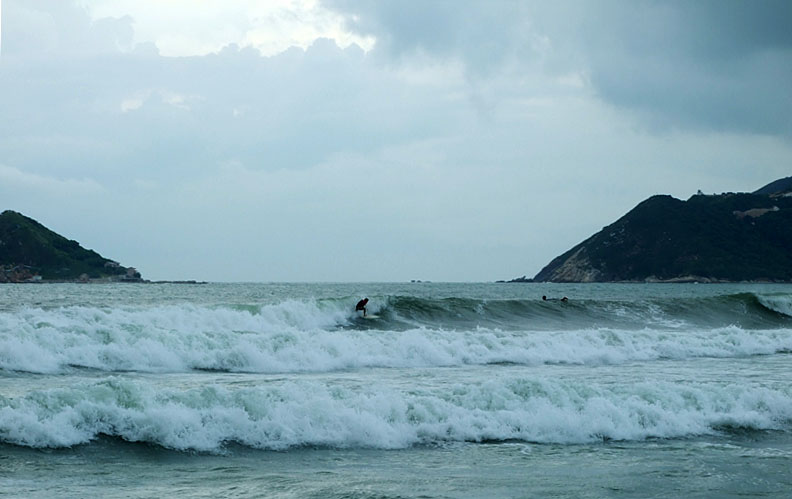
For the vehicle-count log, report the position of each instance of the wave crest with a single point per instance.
(317, 337)
(294, 414)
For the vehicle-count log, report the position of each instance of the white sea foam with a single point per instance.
(778, 303)
(300, 337)
(280, 416)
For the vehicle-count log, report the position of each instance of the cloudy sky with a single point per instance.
(346, 140)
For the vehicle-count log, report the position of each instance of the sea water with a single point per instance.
(456, 390)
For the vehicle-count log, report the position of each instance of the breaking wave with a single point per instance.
(293, 414)
(326, 335)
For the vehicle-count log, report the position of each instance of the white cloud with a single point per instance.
(173, 99)
(134, 102)
(190, 27)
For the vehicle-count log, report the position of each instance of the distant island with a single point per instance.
(730, 237)
(30, 252)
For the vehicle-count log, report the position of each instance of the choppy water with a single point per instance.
(456, 390)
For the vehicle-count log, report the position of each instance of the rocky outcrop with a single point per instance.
(577, 267)
(15, 273)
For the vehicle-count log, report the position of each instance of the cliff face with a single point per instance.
(29, 249)
(727, 237)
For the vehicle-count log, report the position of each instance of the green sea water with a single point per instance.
(457, 390)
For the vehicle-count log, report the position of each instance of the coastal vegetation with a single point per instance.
(31, 252)
(725, 237)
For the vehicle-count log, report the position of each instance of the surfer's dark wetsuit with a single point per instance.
(361, 305)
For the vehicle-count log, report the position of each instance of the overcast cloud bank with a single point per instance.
(455, 141)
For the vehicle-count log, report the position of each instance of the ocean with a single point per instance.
(455, 390)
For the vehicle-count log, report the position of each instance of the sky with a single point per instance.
(351, 141)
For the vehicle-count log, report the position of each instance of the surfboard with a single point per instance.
(371, 316)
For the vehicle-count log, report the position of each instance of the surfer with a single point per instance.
(361, 305)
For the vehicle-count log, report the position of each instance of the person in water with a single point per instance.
(544, 298)
(361, 305)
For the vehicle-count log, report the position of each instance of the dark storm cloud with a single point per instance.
(700, 65)
(482, 34)
(719, 65)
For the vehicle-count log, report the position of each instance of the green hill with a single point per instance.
(726, 237)
(27, 248)
(778, 188)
